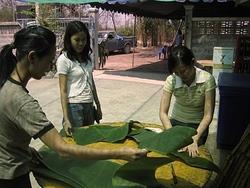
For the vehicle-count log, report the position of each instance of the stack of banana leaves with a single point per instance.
(118, 173)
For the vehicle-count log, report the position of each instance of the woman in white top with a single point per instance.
(77, 86)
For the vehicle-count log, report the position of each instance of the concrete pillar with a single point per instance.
(188, 25)
(13, 5)
(95, 44)
(37, 10)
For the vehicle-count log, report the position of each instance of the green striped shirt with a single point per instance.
(189, 101)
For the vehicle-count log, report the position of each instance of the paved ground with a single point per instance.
(125, 93)
(142, 60)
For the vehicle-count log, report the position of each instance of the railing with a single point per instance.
(59, 25)
(9, 27)
(59, 22)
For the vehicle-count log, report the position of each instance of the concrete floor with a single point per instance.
(124, 96)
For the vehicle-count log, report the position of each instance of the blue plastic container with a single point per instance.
(234, 108)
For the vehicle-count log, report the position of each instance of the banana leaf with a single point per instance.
(112, 134)
(198, 162)
(105, 133)
(42, 173)
(167, 141)
(136, 174)
(139, 173)
(135, 132)
(88, 173)
(142, 134)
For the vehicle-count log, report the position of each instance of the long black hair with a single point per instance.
(180, 55)
(72, 28)
(32, 38)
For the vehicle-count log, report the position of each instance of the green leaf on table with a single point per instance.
(112, 134)
(134, 132)
(84, 136)
(139, 173)
(142, 134)
(42, 174)
(95, 133)
(88, 173)
(198, 162)
(167, 141)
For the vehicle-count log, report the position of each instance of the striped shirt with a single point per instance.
(189, 101)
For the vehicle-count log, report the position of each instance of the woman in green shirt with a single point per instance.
(194, 93)
(22, 118)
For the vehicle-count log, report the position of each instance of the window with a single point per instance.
(221, 27)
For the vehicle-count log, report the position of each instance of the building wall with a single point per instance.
(208, 33)
(7, 30)
(203, 45)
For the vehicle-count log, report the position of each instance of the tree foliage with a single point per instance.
(6, 11)
(6, 15)
(127, 31)
(154, 32)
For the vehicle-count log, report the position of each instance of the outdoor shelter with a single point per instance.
(171, 9)
(192, 12)
(182, 9)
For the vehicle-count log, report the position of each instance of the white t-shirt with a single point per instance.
(79, 78)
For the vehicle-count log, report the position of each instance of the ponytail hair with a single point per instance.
(32, 38)
(7, 62)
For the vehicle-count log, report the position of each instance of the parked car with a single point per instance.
(116, 42)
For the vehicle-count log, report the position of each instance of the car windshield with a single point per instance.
(102, 34)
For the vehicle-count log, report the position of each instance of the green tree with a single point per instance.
(6, 11)
(6, 14)
(154, 32)
(127, 31)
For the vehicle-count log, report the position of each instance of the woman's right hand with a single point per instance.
(67, 128)
(132, 154)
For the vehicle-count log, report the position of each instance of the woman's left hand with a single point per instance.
(192, 149)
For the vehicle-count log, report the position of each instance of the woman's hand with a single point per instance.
(132, 154)
(192, 149)
(67, 128)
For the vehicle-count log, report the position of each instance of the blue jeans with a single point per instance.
(81, 114)
(21, 181)
(203, 137)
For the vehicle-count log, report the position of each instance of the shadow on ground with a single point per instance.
(137, 74)
(157, 67)
(143, 63)
(153, 71)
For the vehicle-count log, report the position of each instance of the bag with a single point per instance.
(97, 117)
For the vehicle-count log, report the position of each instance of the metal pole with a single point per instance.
(134, 33)
(188, 25)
